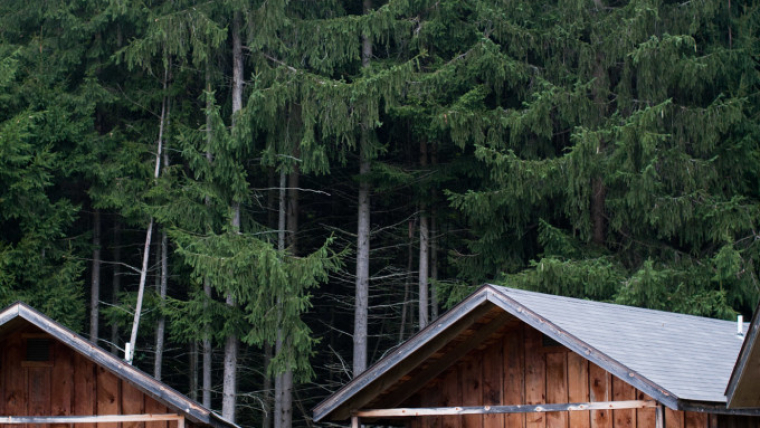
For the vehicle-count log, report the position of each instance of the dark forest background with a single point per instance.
(299, 186)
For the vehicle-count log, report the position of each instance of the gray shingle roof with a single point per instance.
(682, 361)
(691, 357)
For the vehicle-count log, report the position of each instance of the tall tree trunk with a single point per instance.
(361, 309)
(434, 240)
(272, 223)
(407, 280)
(229, 392)
(279, 382)
(163, 284)
(193, 371)
(206, 345)
(95, 285)
(116, 284)
(292, 227)
(206, 341)
(433, 266)
(423, 259)
(161, 325)
(130, 351)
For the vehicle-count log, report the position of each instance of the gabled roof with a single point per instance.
(19, 313)
(682, 361)
(743, 389)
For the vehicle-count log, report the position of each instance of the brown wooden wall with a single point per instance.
(67, 384)
(515, 367)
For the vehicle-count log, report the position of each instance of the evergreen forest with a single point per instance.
(264, 197)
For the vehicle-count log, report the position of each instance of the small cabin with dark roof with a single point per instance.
(51, 376)
(507, 358)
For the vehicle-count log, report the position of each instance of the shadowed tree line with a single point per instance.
(277, 192)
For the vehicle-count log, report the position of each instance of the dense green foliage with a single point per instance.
(602, 149)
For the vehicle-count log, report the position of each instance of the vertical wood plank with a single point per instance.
(83, 402)
(599, 390)
(451, 397)
(622, 391)
(514, 370)
(108, 395)
(432, 397)
(132, 403)
(493, 383)
(695, 420)
(153, 406)
(535, 377)
(16, 392)
(713, 421)
(673, 418)
(556, 387)
(577, 389)
(63, 380)
(39, 392)
(472, 387)
(644, 417)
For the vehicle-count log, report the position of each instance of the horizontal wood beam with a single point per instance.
(17, 420)
(523, 408)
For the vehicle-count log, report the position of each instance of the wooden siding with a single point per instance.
(515, 366)
(68, 384)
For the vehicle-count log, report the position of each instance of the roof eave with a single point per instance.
(582, 348)
(374, 374)
(146, 384)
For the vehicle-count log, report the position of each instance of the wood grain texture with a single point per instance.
(674, 419)
(623, 391)
(493, 383)
(514, 373)
(645, 418)
(577, 389)
(452, 396)
(600, 389)
(556, 387)
(132, 403)
(535, 377)
(695, 420)
(63, 379)
(108, 396)
(472, 388)
(16, 392)
(153, 406)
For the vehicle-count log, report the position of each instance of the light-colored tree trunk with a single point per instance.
(95, 285)
(434, 240)
(407, 280)
(361, 308)
(163, 285)
(279, 381)
(423, 259)
(130, 348)
(161, 325)
(206, 345)
(229, 390)
(206, 340)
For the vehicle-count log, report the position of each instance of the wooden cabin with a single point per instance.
(51, 376)
(508, 358)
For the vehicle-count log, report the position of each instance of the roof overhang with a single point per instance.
(400, 362)
(19, 313)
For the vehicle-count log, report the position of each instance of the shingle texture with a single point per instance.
(690, 356)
